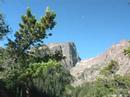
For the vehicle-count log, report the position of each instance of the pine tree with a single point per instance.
(33, 31)
(31, 34)
(27, 75)
(4, 28)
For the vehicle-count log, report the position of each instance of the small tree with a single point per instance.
(127, 51)
(111, 69)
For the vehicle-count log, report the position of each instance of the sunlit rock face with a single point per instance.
(89, 69)
(69, 52)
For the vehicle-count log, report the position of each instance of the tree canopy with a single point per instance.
(4, 28)
(27, 75)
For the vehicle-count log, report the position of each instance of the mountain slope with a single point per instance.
(89, 69)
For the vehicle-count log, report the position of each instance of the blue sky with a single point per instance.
(94, 25)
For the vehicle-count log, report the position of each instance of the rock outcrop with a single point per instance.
(69, 52)
(89, 69)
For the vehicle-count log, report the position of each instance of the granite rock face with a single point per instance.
(89, 69)
(69, 52)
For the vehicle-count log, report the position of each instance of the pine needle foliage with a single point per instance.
(26, 75)
(4, 28)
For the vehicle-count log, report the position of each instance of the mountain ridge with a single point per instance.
(89, 69)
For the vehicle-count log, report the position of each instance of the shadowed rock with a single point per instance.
(69, 52)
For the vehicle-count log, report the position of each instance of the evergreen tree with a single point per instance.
(127, 51)
(4, 28)
(31, 34)
(26, 75)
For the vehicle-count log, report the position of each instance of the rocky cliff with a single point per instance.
(89, 69)
(69, 52)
